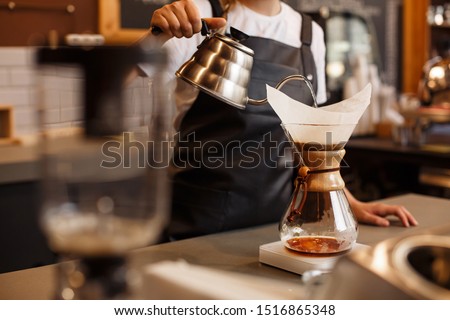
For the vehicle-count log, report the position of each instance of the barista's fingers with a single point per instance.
(186, 12)
(172, 20)
(164, 19)
(370, 218)
(174, 24)
(402, 213)
(411, 218)
(215, 23)
(182, 19)
(375, 213)
(366, 213)
(194, 17)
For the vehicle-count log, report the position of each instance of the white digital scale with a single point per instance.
(277, 255)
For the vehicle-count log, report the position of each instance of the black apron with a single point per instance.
(234, 168)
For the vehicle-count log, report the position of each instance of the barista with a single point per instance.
(232, 168)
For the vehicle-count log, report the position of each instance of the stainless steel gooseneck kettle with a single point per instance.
(222, 67)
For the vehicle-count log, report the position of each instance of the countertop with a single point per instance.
(18, 163)
(434, 155)
(235, 251)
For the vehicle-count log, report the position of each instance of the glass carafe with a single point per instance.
(319, 219)
(105, 160)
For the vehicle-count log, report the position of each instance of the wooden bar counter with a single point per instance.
(235, 251)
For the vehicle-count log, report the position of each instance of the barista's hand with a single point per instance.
(182, 19)
(376, 213)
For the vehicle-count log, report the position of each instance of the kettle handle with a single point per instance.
(155, 30)
(282, 83)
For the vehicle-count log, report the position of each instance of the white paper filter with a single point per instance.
(332, 124)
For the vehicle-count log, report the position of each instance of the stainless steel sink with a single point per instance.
(414, 266)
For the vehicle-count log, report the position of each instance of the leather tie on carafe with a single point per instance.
(304, 173)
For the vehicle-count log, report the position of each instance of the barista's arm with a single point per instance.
(375, 213)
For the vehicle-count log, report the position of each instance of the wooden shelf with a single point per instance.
(443, 26)
(109, 25)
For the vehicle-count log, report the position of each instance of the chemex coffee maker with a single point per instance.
(319, 220)
(105, 189)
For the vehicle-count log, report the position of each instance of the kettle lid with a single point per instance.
(232, 42)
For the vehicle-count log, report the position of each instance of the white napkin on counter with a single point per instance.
(176, 280)
(339, 118)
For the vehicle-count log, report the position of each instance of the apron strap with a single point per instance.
(306, 35)
(217, 9)
(306, 39)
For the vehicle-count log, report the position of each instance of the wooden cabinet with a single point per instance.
(420, 39)
(32, 22)
(416, 35)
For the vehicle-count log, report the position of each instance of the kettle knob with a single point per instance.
(205, 30)
(238, 35)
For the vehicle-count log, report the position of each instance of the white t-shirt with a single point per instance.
(284, 27)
